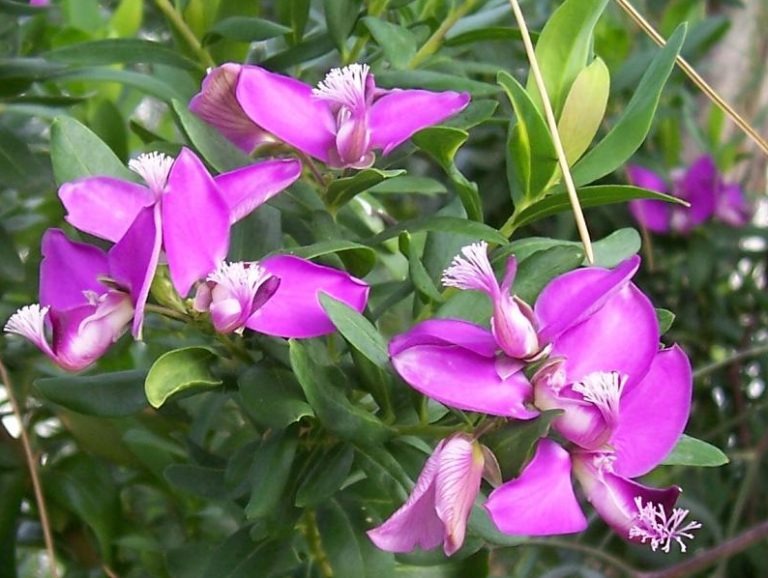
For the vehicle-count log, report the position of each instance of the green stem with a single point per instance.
(167, 312)
(433, 43)
(314, 541)
(747, 353)
(186, 33)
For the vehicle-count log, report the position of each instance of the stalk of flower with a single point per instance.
(439, 506)
(341, 122)
(183, 212)
(83, 314)
(277, 296)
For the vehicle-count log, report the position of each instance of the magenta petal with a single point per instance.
(699, 187)
(195, 222)
(416, 523)
(447, 332)
(732, 207)
(540, 502)
(460, 378)
(286, 108)
(646, 179)
(133, 261)
(622, 336)
(294, 311)
(653, 415)
(653, 215)
(614, 497)
(104, 206)
(68, 269)
(217, 105)
(247, 188)
(571, 298)
(394, 118)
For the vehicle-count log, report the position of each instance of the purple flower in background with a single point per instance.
(277, 296)
(182, 210)
(340, 122)
(84, 315)
(439, 505)
(702, 186)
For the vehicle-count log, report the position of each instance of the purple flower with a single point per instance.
(439, 505)
(340, 122)
(182, 211)
(83, 314)
(701, 185)
(277, 296)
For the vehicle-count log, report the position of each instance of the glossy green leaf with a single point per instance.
(438, 81)
(515, 443)
(666, 319)
(331, 406)
(294, 13)
(273, 397)
(343, 190)
(76, 152)
(120, 51)
(584, 109)
(210, 143)
(419, 276)
(383, 470)
(398, 43)
(359, 259)
(272, 469)
(588, 197)
(245, 29)
(409, 185)
(325, 476)
(181, 370)
(485, 34)
(340, 18)
(531, 156)
(564, 48)
(478, 231)
(630, 130)
(357, 330)
(690, 451)
(152, 85)
(311, 47)
(534, 273)
(107, 395)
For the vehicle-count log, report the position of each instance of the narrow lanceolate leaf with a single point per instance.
(77, 152)
(397, 42)
(357, 330)
(666, 319)
(535, 272)
(588, 197)
(456, 225)
(120, 50)
(563, 49)
(272, 466)
(630, 130)
(106, 395)
(343, 190)
(531, 156)
(245, 29)
(690, 451)
(325, 476)
(182, 370)
(272, 397)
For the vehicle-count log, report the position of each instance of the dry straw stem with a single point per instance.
(695, 77)
(578, 214)
(32, 465)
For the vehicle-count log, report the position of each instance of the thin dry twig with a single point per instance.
(32, 465)
(578, 214)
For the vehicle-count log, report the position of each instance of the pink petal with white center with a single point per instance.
(540, 502)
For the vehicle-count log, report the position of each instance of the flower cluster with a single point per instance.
(588, 348)
(181, 215)
(708, 194)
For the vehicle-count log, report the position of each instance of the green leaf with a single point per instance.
(22, 8)
(485, 34)
(325, 476)
(76, 152)
(584, 109)
(310, 48)
(333, 409)
(120, 51)
(107, 395)
(630, 130)
(351, 554)
(690, 451)
(408, 185)
(244, 29)
(481, 525)
(272, 467)
(343, 190)
(594, 196)
(535, 272)
(563, 49)
(666, 319)
(357, 330)
(19, 168)
(515, 443)
(126, 19)
(398, 43)
(419, 275)
(340, 18)
(476, 113)
(531, 156)
(239, 556)
(203, 481)
(151, 85)
(273, 397)
(456, 225)
(210, 143)
(383, 470)
(359, 259)
(181, 370)
(438, 81)
(11, 267)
